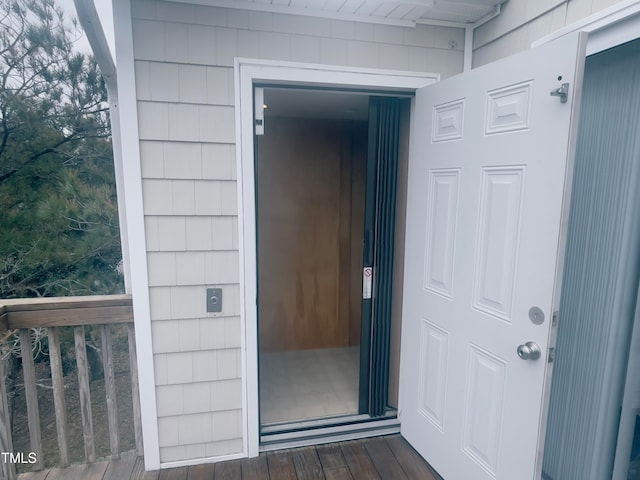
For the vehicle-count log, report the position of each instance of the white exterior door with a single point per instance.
(488, 171)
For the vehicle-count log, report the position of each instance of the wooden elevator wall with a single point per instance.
(310, 211)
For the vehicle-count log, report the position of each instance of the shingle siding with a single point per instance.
(184, 56)
(524, 21)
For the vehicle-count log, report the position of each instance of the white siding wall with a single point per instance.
(184, 58)
(524, 21)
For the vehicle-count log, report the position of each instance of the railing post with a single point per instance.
(56, 314)
(110, 390)
(7, 469)
(135, 388)
(31, 394)
(57, 381)
(85, 394)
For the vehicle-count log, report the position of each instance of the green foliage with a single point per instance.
(58, 212)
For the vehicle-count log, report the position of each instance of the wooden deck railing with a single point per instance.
(54, 314)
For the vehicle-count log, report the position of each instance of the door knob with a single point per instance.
(529, 351)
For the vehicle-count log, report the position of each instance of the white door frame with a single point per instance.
(247, 73)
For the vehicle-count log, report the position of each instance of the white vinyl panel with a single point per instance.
(434, 346)
(400, 11)
(351, 6)
(499, 220)
(448, 119)
(508, 108)
(172, 454)
(441, 235)
(484, 400)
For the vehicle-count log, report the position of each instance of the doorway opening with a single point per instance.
(314, 175)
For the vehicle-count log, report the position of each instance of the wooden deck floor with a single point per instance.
(379, 458)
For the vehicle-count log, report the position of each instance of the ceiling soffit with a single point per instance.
(399, 12)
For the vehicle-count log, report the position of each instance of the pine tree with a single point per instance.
(58, 211)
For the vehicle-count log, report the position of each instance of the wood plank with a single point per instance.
(338, 473)
(384, 460)
(344, 236)
(4, 320)
(135, 388)
(412, 463)
(307, 464)
(121, 468)
(281, 465)
(85, 394)
(59, 402)
(255, 468)
(56, 473)
(129, 466)
(331, 456)
(229, 470)
(90, 471)
(31, 394)
(179, 473)
(41, 475)
(203, 471)
(7, 470)
(358, 461)
(382, 457)
(70, 317)
(110, 390)
(50, 303)
(298, 197)
(139, 473)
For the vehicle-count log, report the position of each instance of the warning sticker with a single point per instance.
(367, 281)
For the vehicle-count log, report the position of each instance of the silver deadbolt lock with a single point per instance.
(536, 315)
(529, 351)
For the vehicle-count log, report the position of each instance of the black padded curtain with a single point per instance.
(379, 245)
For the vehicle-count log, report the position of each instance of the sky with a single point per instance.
(106, 16)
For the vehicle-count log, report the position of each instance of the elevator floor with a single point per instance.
(304, 384)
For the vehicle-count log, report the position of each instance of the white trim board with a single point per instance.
(247, 73)
(200, 461)
(132, 176)
(607, 28)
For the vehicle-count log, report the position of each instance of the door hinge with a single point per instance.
(552, 354)
(554, 319)
(562, 92)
